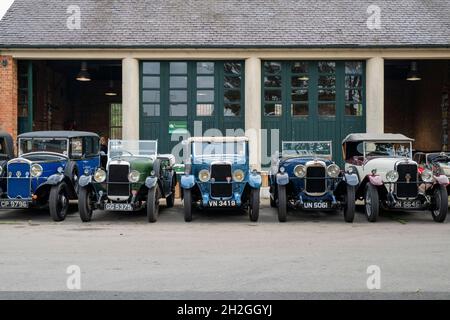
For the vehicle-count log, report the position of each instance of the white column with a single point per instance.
(375, 95)
(130, 99)
(253, 109)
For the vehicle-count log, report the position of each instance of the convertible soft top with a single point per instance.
(217, 139)
(381, 137)
(57, 134)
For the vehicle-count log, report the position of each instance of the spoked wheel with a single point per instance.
(349, 207)
(58, 202)
(86, 204)
(372, 203)
(440, 207)
(253, 208)
(282, 204)
(187, 203)
(152, 205)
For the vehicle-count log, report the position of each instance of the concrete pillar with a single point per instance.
(253, 109)
(8, 95)
(130, 99)
(375, 95)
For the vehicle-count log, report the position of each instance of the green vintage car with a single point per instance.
(135, 177)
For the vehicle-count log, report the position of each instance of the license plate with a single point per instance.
(316, 205)
(408, 204)
(222, 203)
(14, 204)
(118, 207)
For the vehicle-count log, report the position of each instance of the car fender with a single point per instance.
(351, 179)
(55, 179)
(375, 180)
(442, 180)
(282, 179)
(84, 180)
(187, 181)
(151, 182)
(255, 181)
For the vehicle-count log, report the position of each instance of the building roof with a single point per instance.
(356, 137)
(57, 134)
(226, 23)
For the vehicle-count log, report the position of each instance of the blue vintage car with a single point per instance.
(47, 170)
(304, 176)
(218, 176)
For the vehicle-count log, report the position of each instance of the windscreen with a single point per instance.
(124, 148)
(388, 149)
(322, 149)
(60, 146)
(218, 148)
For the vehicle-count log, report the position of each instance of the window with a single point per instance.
(232, 84)
(326, 89)
(178, 89)
(299, 89)
(151, 89)
(205, 89)
(353, 89)
(115, 121)
(273, 98)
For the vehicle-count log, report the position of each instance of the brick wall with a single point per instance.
(8, 95)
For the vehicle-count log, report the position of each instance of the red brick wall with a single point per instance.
(8, 95)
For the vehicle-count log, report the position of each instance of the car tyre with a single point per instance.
(349, 207)
(440, 209)
(371, 203)
(152, 205)
(187, 203)
(273, 202)
(85, 204)
(58, 202)
(282, 204)
(254, 205)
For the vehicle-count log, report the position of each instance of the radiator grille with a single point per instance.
(315, 179)
(118, 184)
(221, 173)
(407, 172)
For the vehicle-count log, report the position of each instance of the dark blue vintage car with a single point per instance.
(47, 170)
(218, 176)
(304, 176)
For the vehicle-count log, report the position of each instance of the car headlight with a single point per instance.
(204, 175)
(36, 170)
(238, 175)
(134, 176)
(427, 176)
(392, 176)
(333, 170)
(300, 171)
(282, 169)
(100, 175)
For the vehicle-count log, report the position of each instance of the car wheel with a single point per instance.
(273, 202)
(349, 207)
(282, 203)
(254, 205)
(372, 203)
(75, 180)
(85, 204)
(440, 209)
(58, 202)
(152, 205)
(170, 200)
(187, 203)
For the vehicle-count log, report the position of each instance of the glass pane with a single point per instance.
(272, 67)
(150, 96)
(354, 109)
(151, 110)
(327, 67)
(150, 82)
(204, 110)
(353, 95)
(353, 67)
(178, 82)
(233, 67)
(205, 96)
(178, 96)
(178, 67)
(232, 109)
(299, 110)
(205, 82)
(353, 81)
(299, 67)
(232, 82)
(272, 95)
(205, 67)
(232, 95)
(272, 110)
(178, 110)
(300, 95)
(327, 95)
(299, 81)
(151, 67)
(327, 109)
(327, 81)
(272, 81)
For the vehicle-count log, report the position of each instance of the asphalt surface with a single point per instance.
(222, 255)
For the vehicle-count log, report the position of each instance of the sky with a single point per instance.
(4, 6)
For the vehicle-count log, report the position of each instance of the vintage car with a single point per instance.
(217, 176)
(6, 154)
(47, 170)
(135, 177)
(434, 161)
(304, 176)
(390, 179)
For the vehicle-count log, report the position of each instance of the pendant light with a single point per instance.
(413, 74)
(111, 92)
(84, 75)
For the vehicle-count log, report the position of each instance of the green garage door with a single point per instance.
(313, 100)
(201, 97)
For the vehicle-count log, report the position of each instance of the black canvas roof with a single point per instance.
(57, 134)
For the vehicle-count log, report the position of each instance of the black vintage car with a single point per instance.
(6, 154)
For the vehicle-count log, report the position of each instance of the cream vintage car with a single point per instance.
(390, 179)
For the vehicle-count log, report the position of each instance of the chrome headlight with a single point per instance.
(282, 169)
(392, 176)
(238, 175)
(333, 170)
(36, 170)
(300, 171)
(100, 175)
(134, 176)
(427, 176)
(204, 175)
